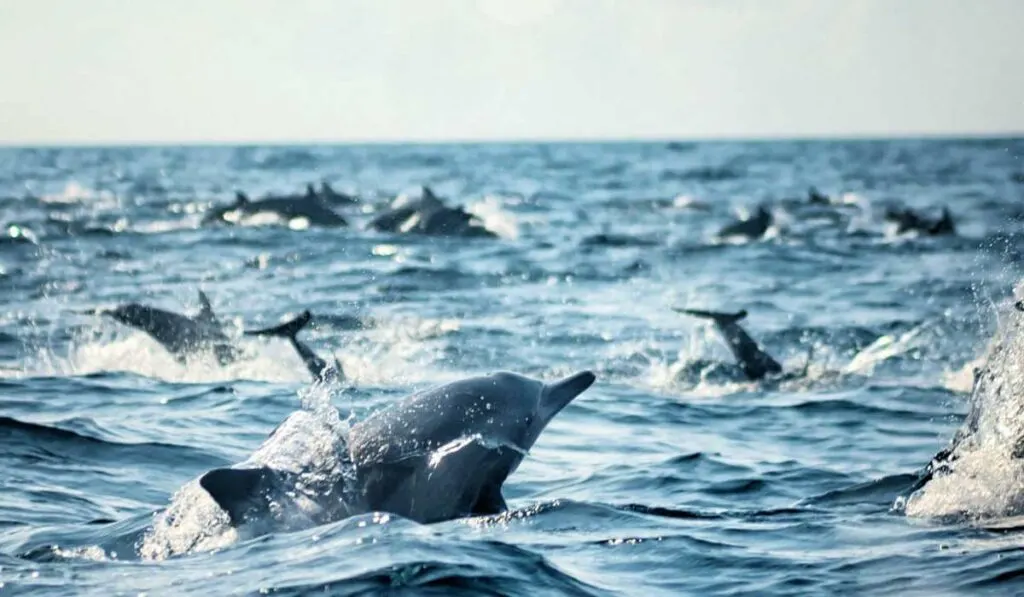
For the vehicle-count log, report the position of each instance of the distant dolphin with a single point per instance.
(180, 335)
(290, 207)
(317, 367)
(753, 227)
(816, 197)
(428, 215)
(755, 363)
(907, 220)
(437, 455)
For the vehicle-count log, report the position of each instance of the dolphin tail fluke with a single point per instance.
(205, 308)
(716, 316)
(288, 329)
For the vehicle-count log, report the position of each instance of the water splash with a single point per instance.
(985, 477)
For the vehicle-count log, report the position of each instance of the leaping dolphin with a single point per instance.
(437, 455)
(318, 368)
(755, 363)
(180, 335)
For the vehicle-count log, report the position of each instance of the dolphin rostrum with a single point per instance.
(755, 363)
(318, 368)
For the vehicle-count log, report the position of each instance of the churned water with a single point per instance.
(672, 475)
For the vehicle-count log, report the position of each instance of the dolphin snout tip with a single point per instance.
(575, 384)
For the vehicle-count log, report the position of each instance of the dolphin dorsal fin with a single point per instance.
(241, 198)
(238, 491)
(310, 191)
(205, 309)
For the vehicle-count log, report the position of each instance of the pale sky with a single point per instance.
(98, 71)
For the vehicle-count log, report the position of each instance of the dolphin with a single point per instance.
(907, 220)
(437, 455)
(755, 363)
(289, 207)
(753, 227)
(428, 215)
(180, 335)
(318, 368)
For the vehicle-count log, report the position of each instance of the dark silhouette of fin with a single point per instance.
(239, 492)
(205, 309)
(241, 198)
(288, 329)
(716, 316)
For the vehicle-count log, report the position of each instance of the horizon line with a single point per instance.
(355, 141)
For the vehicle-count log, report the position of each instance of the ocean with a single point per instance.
(672, 475)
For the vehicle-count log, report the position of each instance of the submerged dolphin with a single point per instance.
(180, 335)
(437, 455)
(318, 368)
(310, 207)
(755, 363)
(428, 215)
(753, 227)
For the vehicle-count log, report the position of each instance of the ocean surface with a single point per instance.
(672, 475)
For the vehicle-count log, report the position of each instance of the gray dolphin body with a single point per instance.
(437, 455)
(309, 206)
(428, 215)
(755, 363)
(180, 335)
(318, 368)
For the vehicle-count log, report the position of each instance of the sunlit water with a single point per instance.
(669, 476)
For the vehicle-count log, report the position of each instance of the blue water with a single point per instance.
(670, 476)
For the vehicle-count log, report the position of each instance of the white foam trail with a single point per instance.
(138, 353)
(495, 218)
(884, 348)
